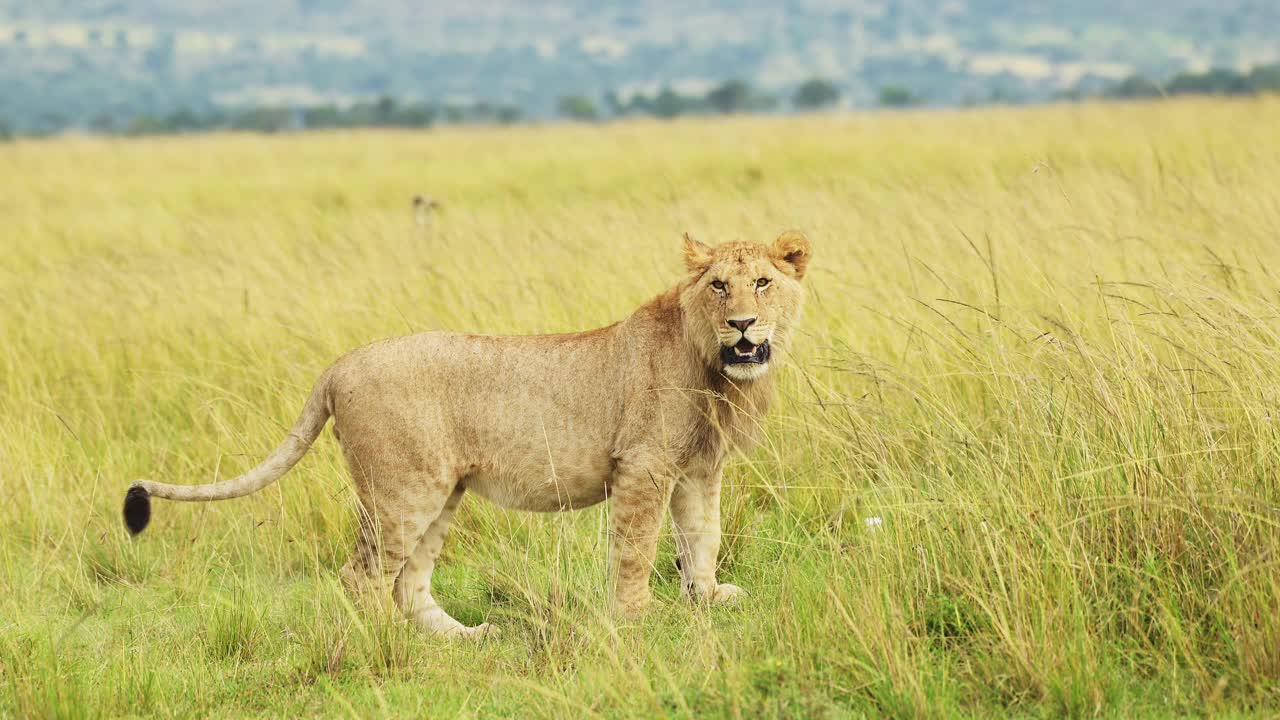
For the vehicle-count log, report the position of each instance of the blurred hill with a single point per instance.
(73, 62)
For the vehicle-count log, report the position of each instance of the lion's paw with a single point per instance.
(479, 632)
(726, 593)
(638, 607)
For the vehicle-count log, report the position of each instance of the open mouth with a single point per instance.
(745, 353)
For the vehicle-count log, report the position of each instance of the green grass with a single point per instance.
(1042, 345)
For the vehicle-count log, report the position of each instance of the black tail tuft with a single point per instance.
(137, 509)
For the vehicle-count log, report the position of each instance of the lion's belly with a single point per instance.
(540, 463)
(537, 487)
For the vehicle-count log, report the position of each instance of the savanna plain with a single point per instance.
(1023, 461)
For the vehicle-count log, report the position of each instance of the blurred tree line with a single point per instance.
(729, 97)
(385, 112)
(732, 96)
(1216, 81)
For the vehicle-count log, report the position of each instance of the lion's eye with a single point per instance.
(717, 284)
(762, 282)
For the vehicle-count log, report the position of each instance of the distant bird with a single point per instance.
(422, 208)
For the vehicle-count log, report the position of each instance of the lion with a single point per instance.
(642, 413)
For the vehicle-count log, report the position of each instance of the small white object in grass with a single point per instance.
(873, 523)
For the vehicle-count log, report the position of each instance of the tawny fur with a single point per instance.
(642, 412)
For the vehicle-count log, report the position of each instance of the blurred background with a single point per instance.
(155, 66)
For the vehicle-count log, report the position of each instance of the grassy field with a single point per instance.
(1042, 345)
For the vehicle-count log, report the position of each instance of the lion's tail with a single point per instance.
(316, 411)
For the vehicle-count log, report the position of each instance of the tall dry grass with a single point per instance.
(1041, 347)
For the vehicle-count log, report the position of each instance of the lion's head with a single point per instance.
(743, 300)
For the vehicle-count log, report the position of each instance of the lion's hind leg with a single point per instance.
(394, 517)
(413, 587)
(382, 548)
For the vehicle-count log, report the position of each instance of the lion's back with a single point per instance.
(513, 402)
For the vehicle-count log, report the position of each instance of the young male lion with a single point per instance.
(642, 412)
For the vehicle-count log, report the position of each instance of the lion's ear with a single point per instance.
(697, 256)
(791, 253)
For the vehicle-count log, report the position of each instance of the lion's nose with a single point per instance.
(741, 325)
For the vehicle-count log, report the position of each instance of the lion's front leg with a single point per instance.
(638, 494)
(695, 512)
